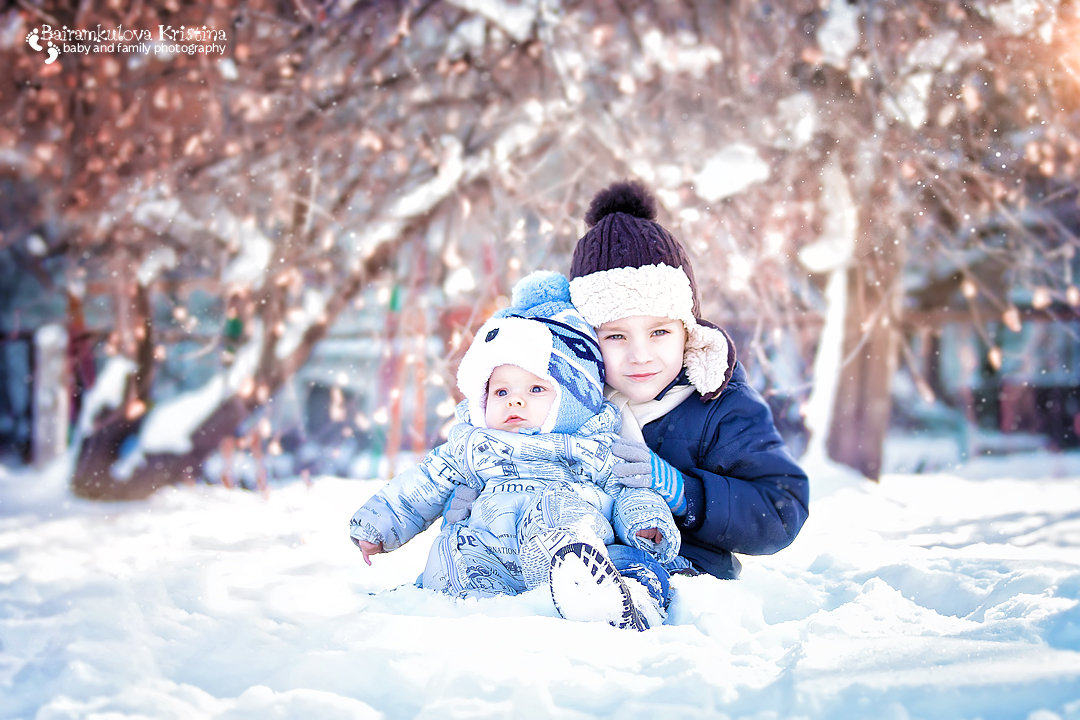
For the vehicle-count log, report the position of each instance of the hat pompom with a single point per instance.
(631, 198)
(540, 287)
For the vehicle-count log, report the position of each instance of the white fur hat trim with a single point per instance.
(516, 341)
(656, 291)
(653, 290)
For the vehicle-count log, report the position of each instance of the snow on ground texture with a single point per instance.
(951, 595)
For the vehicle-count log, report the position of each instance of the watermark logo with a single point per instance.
(50, 50)
(164, 41)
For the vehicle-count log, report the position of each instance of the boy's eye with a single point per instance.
(614, 336)
(661, 331)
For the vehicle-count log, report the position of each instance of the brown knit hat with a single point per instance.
(627, 264)
(623, 232)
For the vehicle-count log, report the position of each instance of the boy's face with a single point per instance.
(642, 354)
(517, 399)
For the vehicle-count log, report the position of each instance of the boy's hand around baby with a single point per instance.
(369, 548)
(641, 467)
(461, 503)
(635, 468)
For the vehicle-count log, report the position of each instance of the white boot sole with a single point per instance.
(586, 587)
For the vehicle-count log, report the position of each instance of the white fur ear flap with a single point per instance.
(501, 341)
(709, 358)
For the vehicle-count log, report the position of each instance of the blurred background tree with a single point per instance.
(408, 161)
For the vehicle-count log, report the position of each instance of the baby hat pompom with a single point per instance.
(540, 287)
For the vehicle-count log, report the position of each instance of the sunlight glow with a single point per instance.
(740, 270)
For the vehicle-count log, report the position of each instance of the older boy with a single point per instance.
(693, 428)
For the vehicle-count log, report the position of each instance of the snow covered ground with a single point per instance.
(948, 595)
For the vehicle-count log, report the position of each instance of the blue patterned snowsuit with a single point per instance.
(537, 492)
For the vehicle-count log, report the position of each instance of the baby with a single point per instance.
(525, 477)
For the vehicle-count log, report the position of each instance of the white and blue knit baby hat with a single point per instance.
(543, 333)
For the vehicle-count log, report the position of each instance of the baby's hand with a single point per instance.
(369, 548)
(653, 534)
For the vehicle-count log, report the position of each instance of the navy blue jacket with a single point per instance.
(744, 491)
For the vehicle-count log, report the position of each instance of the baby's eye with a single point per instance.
(538, 389)
(499, 392)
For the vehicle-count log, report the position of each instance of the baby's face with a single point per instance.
(517, 399)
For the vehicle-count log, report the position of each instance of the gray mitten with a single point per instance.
(634, 465)
(461, 503)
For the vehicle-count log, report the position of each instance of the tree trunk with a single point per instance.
(863, 404)
(98, 453)
(94, 476)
